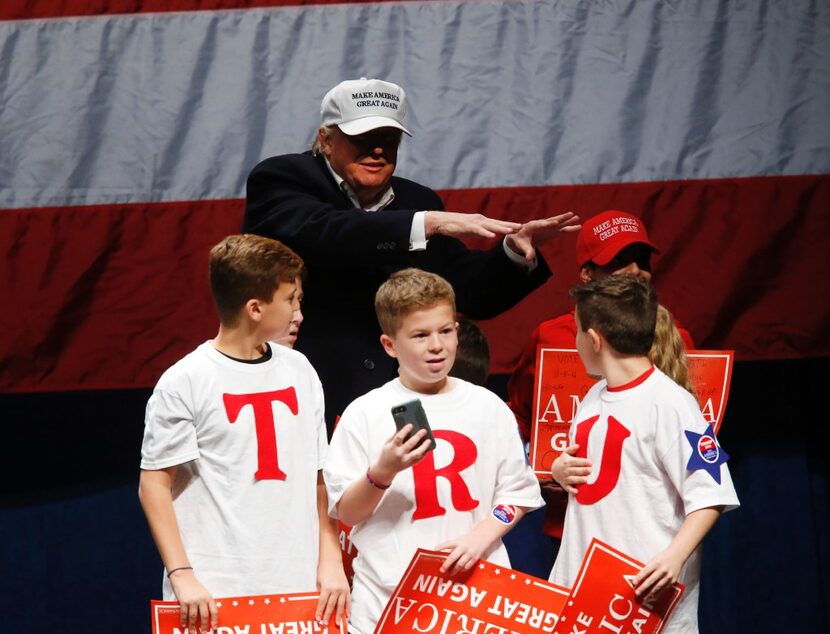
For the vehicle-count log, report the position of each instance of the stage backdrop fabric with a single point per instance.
(126, 140)
(128, 127)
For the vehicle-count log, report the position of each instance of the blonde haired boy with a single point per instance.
(464, 495)
(234, 441)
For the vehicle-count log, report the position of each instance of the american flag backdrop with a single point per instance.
(128, 128)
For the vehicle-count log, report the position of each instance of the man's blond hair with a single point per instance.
(407, 291)
(247, 266)
(316, 143)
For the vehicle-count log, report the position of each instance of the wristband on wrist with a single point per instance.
(177, 569)
(375, 483)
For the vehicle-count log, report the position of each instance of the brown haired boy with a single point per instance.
(233, 445)
(611, 243)
(661, 480)
(461, 497)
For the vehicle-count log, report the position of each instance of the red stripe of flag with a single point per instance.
(32, 9)
(109, 296)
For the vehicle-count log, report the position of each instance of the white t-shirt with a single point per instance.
(479, 449)
(642, 510)
(245, 502)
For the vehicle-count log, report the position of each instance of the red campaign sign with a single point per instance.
(347, 550)
(561, 383)
(602, 599)
(711, 374)
(261, 614)
(489, 599)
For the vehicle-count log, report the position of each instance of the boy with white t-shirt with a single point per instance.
(661, 480)
(233, 445)
(400, 495)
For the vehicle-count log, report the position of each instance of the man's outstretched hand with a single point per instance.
(461, 225)
(538, 232)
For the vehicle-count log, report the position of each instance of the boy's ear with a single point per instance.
(388, 345)
(585, 275)
(253, 309)
(596, 339)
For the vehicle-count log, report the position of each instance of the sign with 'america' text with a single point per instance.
(488, 598)
(561, 383)
(602, 599)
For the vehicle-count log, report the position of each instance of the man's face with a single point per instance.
(635, 259)
(365, 161)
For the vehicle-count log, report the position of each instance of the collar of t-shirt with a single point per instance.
(633, 383)
(261, 359)
(382, 203)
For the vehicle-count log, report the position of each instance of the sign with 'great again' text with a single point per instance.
(488, 598)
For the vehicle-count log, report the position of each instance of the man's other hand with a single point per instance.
(537, 232)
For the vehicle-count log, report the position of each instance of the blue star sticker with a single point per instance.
(706, 453)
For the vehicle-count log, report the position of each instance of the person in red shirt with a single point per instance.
(610, 243)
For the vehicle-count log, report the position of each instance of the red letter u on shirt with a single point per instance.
(609, 470)
(425, 475)
(268, 467)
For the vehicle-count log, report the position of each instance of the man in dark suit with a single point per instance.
(354, 223)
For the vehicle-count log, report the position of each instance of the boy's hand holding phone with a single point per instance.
(407, 446)
(399, 453)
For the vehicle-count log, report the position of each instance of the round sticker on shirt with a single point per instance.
(706, 453)
(707, 449)
(504, 513)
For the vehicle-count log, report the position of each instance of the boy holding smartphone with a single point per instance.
(398, 491)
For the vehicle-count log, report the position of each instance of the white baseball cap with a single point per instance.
(359, 105)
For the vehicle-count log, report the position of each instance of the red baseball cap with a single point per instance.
(608, 233)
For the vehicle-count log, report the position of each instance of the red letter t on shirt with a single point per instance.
(266, 436)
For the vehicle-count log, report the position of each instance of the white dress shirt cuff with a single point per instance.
(519, 259)
(418, 233)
